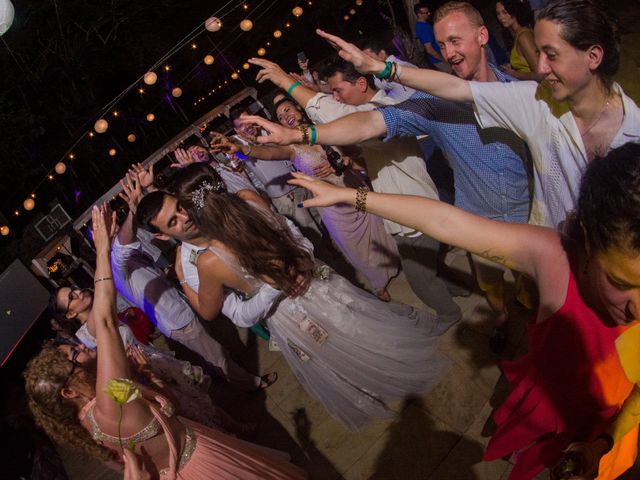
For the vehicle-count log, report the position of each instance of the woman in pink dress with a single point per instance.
(78, 409)
(568, 390)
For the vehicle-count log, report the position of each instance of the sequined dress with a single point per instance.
(351, 351)
(206, 453)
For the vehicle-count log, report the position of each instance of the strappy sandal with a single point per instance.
(267, 380)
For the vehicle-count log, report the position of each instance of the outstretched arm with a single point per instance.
(220, 143)
(271, 71)
(436, 83)
(349, 130)
(517, 246)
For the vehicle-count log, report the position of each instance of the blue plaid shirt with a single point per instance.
(489, 165)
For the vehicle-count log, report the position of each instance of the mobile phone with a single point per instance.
(302, 57)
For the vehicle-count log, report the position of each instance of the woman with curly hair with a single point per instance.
(348, 349)
(111, 411)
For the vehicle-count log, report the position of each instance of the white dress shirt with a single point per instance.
(558, 153)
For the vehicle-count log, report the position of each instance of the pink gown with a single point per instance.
(207, 454)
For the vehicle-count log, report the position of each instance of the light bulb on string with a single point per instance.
(115, 113)
(71, 156)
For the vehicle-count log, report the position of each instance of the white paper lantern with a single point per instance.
(101, 125)
(297, 11)
(208, 60)
(213, 24)
(112, 152)
(150, 78)
(262, 52)
(4, 230)
(352, 11)
(277, 34)
(246, 66)
(234, 75)
(60, 168)
(246, 25)
(131, 138)
(358, 2)
(176, 92)
(7, 13)
(28, 204)
(346, 17)
(150, 117)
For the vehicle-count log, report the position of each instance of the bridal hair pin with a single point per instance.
(197, 197)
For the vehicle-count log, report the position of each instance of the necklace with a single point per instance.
(598, 118)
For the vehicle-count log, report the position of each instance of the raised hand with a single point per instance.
(220, 143)
(303, 80)
(131, 190)
(104, 226)
(278, 134)
(363, 62)
(271, 71)
(324, 194)
(182, 158)
(145, 175)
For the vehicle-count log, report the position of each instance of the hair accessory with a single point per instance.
(385, 72)
(197, 196)
(293, 86)
(102, 279)
(361, 199)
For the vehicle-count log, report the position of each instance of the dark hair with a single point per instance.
(584, 24)
(374, 44)
(288, 99)
(520, 9)
(608, 210)
(148, 209)
(418, 6)
(261, 246)
(236, 111)
(348, 71)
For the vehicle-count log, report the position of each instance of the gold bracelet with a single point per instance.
(248, 154)
(361, 199)
(304, 129)
(102, 279)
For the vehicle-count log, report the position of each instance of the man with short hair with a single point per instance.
(395, 166)
(490, 176)
(424, 33)
(144, 285)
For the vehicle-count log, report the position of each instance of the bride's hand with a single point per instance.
(324, 194)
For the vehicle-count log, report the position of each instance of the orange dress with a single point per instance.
(568, 388)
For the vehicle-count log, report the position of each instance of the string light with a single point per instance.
(141, 91)
(297, 11)
(112, 152)
(346, 17)
(91, 134)
(167, 68)
(352, 11)
(208, 60)
(115, 113)
(246, 66)
(150, 117)
(194, 46)
(4, 230)
(262, 52)
(277, 34)
(50, 177)
(28, 204)
(72, 156)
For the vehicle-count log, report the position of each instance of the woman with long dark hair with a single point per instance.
(348, 349)
(571, 385)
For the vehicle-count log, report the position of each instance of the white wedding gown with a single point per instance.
(348, 349)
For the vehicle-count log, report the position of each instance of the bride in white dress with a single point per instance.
(351, 351)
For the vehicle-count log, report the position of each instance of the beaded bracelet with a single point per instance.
(304, 129)
(361, 199)
(314, 135)
(385, 72)
(102, 279)
(293, 86)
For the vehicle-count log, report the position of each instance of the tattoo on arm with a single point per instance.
(494, 258)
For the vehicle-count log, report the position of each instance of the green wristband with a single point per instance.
(384, 73)
(293, 86)
(314, 135)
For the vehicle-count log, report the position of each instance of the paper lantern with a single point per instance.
(60, 168)
(150, 78)
(352, 11)
(28, 204)
(4, 230)
(262, 52)
(150, 117)
(7, 12)
(112, 152)
(101, 125)
(131, 137)
(246, 25)
(246, 66)
(176, 92)
(213, 24)
(234, 75)
(297, 11)
(277, 34)
(208, 59)
(346, 17)
(358, 2)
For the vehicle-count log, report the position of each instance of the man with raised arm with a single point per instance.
(490, 177)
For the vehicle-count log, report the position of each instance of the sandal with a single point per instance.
(267, 380)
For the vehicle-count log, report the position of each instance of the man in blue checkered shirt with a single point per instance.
(490, 166)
